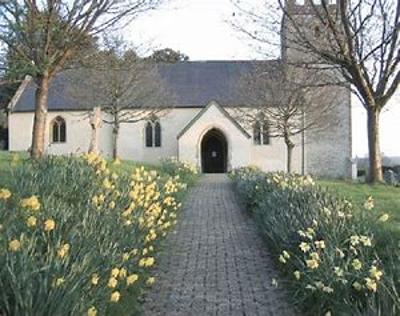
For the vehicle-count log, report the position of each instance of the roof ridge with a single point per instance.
(223, 61)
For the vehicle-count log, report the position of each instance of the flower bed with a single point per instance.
(336, 258)
(77, 238)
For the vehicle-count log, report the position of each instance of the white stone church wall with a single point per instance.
(273, 157)
(77, 137)
(327, 153)
(132, 137)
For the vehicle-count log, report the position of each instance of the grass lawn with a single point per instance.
(387, 198)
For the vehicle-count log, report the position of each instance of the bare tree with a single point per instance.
(356, 39)
(45, 35)
(126, 87)
(281, 108)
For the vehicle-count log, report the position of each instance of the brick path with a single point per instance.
(215, 263)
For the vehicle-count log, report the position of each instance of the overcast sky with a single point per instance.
(199, 29)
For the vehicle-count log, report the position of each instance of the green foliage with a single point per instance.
(168, 55)
(69, 221)
(336, 258)
(386, 198)
(187, 173)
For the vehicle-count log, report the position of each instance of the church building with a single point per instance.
(201, 126)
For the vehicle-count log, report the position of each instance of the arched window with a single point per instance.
(58, 130)
(257, 133)
(153, 134)
(265, 133)
(149, 134)
(261, 135)
(157, 134)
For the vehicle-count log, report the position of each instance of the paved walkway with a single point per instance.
(215, 263)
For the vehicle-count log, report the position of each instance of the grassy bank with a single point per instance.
(386, 198)
(80, 236)
(335, 247)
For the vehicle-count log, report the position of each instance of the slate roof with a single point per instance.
(191, 84)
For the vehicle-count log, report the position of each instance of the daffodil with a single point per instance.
(122, 273)
(95, 279)
(58, 282)
(297, 274)
(369, 203)
(14, 245)
(107, 184)
(285, 254)
(315, 256)
(31, 203)
(384, 217)
(125, 256)
(112, 282)
(371, 284)
(327, 289)
(63, 250)
(92, 311)
(320, 244)
(31, 221)
(5, 194)
(132, 279)
(366, 241)
(357, 265)
(115, 297)
(354, 240)
(150, 281)
(49, 225)
(375, 273)
(339, 272)
(312, 264)
(304, 247)
(115, 272)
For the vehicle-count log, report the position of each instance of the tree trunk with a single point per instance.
(375, 159)
(115, 141)
(93, 148)
(289, 148)
(39, 124)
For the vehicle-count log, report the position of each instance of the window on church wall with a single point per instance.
(58, 130)
(257, 133)
(261, 134)
(153, 134)
(157, 134)
(265, 133)
(149, 134)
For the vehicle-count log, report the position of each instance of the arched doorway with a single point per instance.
(214, 152)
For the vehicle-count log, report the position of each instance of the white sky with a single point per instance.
(198, 28)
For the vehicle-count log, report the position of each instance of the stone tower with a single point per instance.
(304, 28)
(307, 17)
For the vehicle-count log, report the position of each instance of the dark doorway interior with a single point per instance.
(214, 152)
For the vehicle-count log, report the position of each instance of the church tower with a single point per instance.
(302, 24)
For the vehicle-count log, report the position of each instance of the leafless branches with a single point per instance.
(45, 35)
(288, 108)
(126, 87)
(355, 41)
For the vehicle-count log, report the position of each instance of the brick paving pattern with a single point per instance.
(215, 263)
